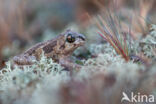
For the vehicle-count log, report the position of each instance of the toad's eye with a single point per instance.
(70, 38)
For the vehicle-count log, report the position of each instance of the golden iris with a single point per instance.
(70, 38)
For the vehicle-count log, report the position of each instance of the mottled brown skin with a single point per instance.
(59, 49)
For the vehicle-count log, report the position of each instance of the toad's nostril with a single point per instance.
(82, 37)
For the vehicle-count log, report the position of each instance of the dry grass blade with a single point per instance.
(111, 33)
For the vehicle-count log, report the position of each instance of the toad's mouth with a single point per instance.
(80, 41)
(82, 37)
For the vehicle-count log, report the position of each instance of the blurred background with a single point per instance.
(26, 22)
(119, 55)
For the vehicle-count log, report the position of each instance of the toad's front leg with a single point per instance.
(68, 64)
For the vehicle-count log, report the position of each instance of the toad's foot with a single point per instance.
(68, 64)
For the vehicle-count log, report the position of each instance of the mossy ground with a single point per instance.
(102, 79)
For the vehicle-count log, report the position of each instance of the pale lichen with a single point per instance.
(148, 43)
(104, 74)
